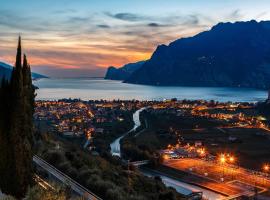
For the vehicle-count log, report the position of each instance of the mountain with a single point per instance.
(229, 55)
(5, 71)
(123, 72)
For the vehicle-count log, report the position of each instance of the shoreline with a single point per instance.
(96, 88)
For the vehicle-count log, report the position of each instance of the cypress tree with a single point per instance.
(17, 100)
(16, 126)
(29, 98)
(4, 149)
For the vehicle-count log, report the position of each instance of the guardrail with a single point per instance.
(75, 186)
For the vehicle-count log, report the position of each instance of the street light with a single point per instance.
(222, 161)
(201, 152)
(231, 159)
(266, 168)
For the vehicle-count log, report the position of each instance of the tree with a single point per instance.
(16, 140)
(38, 193)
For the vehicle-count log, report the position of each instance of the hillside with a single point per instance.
(123, 72)
(230, 55)
(5, 71)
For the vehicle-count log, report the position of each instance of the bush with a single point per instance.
(114, 194)
(36, 193)
(107, 179)
(7, 198)
(54, 157)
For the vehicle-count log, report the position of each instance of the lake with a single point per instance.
(98, 88)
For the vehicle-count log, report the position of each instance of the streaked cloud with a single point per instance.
(103, 26)
(86, 37)
(127, 16)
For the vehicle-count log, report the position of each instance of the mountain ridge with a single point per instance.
(228, 55)
(123, 72)
(6, 70)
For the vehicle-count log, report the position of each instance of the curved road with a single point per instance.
(115, 145)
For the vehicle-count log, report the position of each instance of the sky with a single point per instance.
(81, 38)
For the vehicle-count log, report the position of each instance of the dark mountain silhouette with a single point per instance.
(230, 54)
(123, 72)
(6, 70)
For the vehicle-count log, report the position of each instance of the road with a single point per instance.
(82, 191)
(232, 176)
(115, 145)
(181, 187)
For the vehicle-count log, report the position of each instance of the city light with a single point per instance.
(201, 151)
(165, 157)
(231, 159)
(222, 158)
(266, 167)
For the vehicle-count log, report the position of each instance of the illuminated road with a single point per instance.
(182, 187)
(82, 191)
(215, 172)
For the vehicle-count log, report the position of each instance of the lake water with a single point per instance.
(97, 88)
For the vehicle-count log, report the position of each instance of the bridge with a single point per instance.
(63, 178)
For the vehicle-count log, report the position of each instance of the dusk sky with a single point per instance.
(67, 38)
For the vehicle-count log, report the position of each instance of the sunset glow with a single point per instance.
(89, 36)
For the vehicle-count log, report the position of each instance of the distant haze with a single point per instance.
(68, 38)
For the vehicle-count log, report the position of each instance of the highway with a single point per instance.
(63, 178)
(181, 187)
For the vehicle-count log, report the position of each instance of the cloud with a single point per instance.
(131, 17)
(12, 20)
(154, 24)
(193, 20)
(103, 26)
(56, 71)
(88, 41)
(235, 15)
(64, 11)
(78, 19)
(262, 14)
(15, 21)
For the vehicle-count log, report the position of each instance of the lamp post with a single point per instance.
(232, 160)
(222, 161)
(266, 169)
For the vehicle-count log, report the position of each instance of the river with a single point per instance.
(181, 187)
(115, 146)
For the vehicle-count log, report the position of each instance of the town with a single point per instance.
(214, 143)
